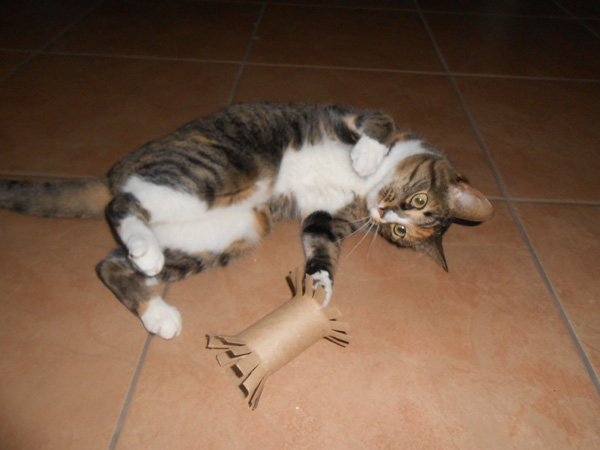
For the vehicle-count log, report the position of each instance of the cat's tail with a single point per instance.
(80, 198)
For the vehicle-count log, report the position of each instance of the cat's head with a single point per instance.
(420, 201)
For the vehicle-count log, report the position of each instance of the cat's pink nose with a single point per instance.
(381, 212)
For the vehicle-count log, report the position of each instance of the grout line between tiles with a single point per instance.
(137, 57)
(130, 392)
(247, 54)
(67, 177)
(53, 176)
(498, 14)
(581, 20)
(35, 53)
(557, 303)
(314, 66)
(136, 375)
(133, 385)
(523, 77)
(554, 202)
(348, 68)
(405, 9)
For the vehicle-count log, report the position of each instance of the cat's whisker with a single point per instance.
(372, 241)
(362, 227)
(362, 219)
(361, 240)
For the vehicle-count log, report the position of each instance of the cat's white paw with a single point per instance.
(321, 278)
(162, 319)
(367, 156)
(146, 254)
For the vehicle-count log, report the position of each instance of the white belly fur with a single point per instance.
(181, 221)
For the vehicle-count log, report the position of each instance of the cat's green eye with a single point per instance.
(419, 201)
(400, 231)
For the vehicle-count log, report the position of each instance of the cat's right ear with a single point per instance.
(467, 203)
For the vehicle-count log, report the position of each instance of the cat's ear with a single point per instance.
(467, 203)
(433, 248)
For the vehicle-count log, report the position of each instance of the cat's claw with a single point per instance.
(367, 156)
(146, 255)
(162, 319)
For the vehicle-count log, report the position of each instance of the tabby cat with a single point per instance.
(202, 196)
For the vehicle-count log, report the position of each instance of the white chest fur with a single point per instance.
(320, 177)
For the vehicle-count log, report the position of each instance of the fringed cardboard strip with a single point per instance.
(264, 347)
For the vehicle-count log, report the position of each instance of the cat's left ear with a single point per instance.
(467, 203)
(433, 248)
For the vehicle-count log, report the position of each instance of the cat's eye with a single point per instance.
(400, 230)
(419, 201)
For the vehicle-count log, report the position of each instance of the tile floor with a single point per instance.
(502, 352)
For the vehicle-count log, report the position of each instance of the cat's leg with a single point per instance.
(376, 132)
(130, 220)
(122, 276)
(130, 286)
(322, 235)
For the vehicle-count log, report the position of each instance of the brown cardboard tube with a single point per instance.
(267, 345)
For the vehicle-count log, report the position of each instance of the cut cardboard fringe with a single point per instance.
(263, 348)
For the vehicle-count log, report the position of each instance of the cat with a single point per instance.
(207, 193)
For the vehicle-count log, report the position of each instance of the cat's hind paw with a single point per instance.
(162, 319)
(367, 156)
(146, 255)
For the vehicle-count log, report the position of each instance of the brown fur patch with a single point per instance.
(232, 198)
(264, 222)
(89, 200)
(421, 233)
(237, 249)
(204, 140)
(400, 137)
(97, 195)
(350, 122)
(141, 308)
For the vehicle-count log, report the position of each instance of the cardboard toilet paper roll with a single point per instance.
(264, 347)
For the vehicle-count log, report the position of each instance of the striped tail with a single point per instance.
(81, 198)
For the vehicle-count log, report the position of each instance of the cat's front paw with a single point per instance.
(162, 319)
(322, 278)
(146, 255)
(367, 156)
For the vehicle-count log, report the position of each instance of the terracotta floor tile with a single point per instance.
(594, 25)
(305, 35)
(567, 240)
(69, 349)
(582, 8)
(78, 116)
(10, 61)
(478, 357)
(395, 4)
(206, 30)
(541, 135)
(529, 7)
(425, 104)
(501, 45)
(29, 24)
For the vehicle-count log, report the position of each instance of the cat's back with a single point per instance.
(242, 141)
